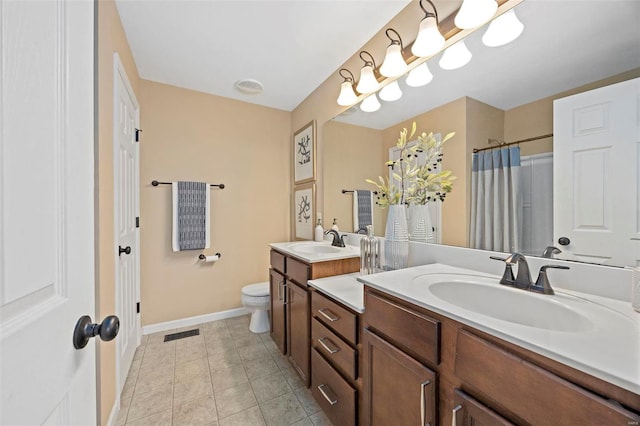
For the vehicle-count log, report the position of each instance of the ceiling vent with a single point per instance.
(248, 86)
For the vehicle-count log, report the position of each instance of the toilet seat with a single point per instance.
(256, 290)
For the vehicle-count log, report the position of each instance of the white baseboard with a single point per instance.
(186, 322)
(113, 416)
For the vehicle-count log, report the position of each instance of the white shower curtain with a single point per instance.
(496, 200)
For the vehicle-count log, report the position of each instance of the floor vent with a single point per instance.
(181, 335)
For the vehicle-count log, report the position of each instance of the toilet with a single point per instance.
(255, 297)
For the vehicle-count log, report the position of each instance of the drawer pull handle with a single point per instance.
(333, 350)
(332, 401)
(454, 421)
(328, 314)
(423, 406)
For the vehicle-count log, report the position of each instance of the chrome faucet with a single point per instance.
(338, 241)
(523, 279)
(550, 251)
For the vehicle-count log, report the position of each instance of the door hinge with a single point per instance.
(137, 222)
(138, 308)
(138, 131)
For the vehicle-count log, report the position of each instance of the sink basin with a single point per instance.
(315, 249)
(485, 296)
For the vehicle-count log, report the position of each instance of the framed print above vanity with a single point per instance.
(304, 206)
(304, 154)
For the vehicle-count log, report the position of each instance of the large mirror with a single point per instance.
(505, 93)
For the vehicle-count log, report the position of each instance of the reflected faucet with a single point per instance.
(550, 251)
(338, 241)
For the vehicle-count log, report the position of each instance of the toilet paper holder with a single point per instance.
(203, 257)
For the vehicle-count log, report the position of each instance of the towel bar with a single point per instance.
(156, 183)
(344, 191)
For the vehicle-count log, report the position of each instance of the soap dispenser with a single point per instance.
(318, 232)
(369, 253)
(335, 225)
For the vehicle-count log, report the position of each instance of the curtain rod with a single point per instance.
(156, 183)
(550, 135)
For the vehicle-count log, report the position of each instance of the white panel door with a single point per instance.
(596, 153)
(126, 120)
(46, 212)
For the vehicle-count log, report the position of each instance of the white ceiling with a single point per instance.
(290, 46)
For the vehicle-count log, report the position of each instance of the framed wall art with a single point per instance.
(304, 205)
(304, 154)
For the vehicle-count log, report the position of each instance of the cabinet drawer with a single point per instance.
(335, 317)
(532, 394)
(336, 397)
(340, 354)
(414, 332)
(277, 261)
(469, 412)
(298, 271)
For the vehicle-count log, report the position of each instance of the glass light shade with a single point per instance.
(391, 92)
(502, 30)
(394, 64)
(347, 95)
(368, 82)
(474, 13)
(419, 76)
(456, 56)
(370, 104)
(429, 40)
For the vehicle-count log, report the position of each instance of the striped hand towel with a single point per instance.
(191, 227)
(362, 209)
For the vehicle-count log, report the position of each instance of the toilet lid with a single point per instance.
(259, 289)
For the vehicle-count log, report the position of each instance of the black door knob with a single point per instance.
(85, 330)
(564, 241)
(126, 250)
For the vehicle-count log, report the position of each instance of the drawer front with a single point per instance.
(278, 261)
(469, 412)
(340, 354)
(413, 332)
(298, 271)
(335, 317)
(336, 397)
(517, 385)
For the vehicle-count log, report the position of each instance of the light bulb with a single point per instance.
(419, 76)
(429, 40)
(370, 104)
(456, 56)
(502, 30)
(347, 95)
(394, 64)
(474, 13)
(391, 92)
(368, 82)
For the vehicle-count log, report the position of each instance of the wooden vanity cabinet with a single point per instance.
(469, 412)
(298, 330)
(277, 315)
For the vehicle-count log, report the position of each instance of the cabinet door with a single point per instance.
(277, 311)
(298, 324)
(398, 390)
(469, 412)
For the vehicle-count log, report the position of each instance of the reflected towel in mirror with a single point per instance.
(362, 209)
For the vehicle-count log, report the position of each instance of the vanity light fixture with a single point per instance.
(419, 76)
(502, 30)
(370, 104)
(347, 94)
(429, 40)
(391, 92)
(456, 56)
(394, 64)
(368, 82)
(474, 13)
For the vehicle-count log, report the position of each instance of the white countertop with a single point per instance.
(293, 249)
(343, 288)
(609, 349)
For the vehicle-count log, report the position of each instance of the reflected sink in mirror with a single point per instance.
(319, 248)
(485, 296)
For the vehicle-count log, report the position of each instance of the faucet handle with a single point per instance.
(507, 276)
(542, 284)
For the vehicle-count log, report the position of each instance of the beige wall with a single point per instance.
(195, 136)
(355, 155)
(111, 38)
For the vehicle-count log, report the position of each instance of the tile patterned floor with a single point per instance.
(226, 376)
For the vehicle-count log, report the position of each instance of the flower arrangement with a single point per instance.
(412, 183)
